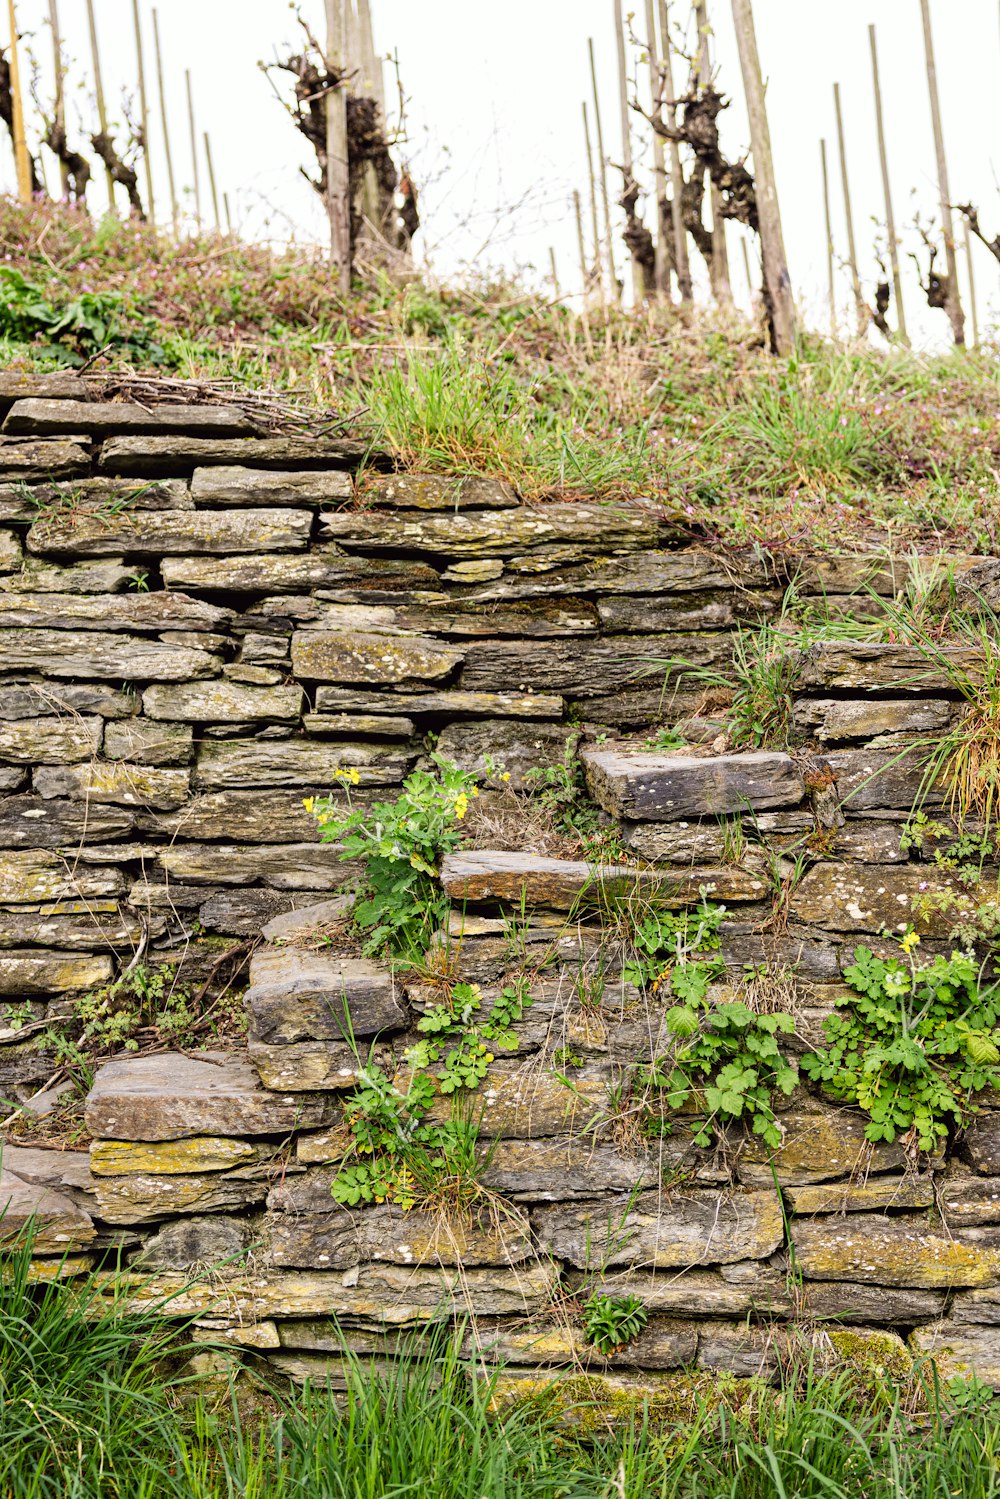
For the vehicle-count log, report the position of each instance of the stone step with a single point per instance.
(562, 884)
(644, 786)
(296, 995)
(173, 1097)
(37, 417)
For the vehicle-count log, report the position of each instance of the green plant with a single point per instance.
(612, 1322)
(562, 792)
(85, 325)
(399, 902)
(141, 998)
(675, 946)
(411, 1156)
(727, 1058)
(913, 1044)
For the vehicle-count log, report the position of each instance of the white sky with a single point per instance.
(494, 119)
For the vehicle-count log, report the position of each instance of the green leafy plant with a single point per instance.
(913, 1044)
(400, 903)
(727, 1058)
(562, 792)
(612, 1322)
(141, 998)
(85, 325)
(665, 945)
(409, 1157)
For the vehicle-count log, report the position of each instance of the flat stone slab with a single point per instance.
(150, 612)
(39, 700)
(222, 702)
(590, 529)
(26, 458)
(684, 1228)
(317, 1236)
(34, 822)
(63, 741)
(320, 567)
(37, 972)
(908, 1250)
(448, 702)
(330, 656)
(283, 866)
(140, 1198)
(875, 1194)
(118, 782)
(562, 884)
(819, 1142)
(839, 719)
(98, 653)
(172, 1097)
(306, 1066)
(188, 1157)
(34, 417)
(305, 764)
(171, 533)
(853, 898)
(438, 492)
(851, 664)
(252, 817)
(960, 1351)
(229, 485)
(663, 788)
(305, 996)
(59, 1223)
(146, 743)
(181, 454)
(34, 876)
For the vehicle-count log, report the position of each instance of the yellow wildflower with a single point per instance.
(910, 941)
(505, 775)
(461, 805)
(309, 802)
(474, 791)
(349, 774)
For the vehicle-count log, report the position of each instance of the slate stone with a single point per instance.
(93, 653)
(447, 702)
(176, 1157)
(837, 719)
(303, 926)
(34, 971)
(147, 1199)
(75, 926)
(105, 418)
(119, 782)
(563, 884)
(18, 385)
(306, 764)
(980, 1144)
(154, 612)
(230, 485)
(88, 577)
(895, 777)
(969, 1199)
(10, 552)
(181, 454)
(56, 1222)
(222, 702)
(437, 492)
(959, 1351)
(852, 664)
(34, 822)
(90, 499)
(305, 996)
(665, 787)
(322, 567)
(40, 700)
(60, 741)
(877, 1193)
(516, 747)
(199, 1244)
(245, 816)
(853, 898)
(819, 1142)
(294, 866)
(327, 1239)
(167, 1096)
(390, 1295)
(908, 1250)
(146, 743)
(588, 528)
(23, 459)
(589, 669)
(528, 1101)
(558, 1170)
(687, 1228)
(372, 725)
(443, 614)
(241, 913)
(322, 656)
(34, 875)
(171, 533)
(306, 1066)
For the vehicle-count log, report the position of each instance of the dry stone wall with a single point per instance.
(199, 625)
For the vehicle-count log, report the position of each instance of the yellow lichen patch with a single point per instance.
(170, 1157)
(595, 1403)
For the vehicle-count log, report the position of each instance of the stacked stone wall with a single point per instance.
(199, 626)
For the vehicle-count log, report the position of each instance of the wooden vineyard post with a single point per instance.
(598, 267)
(953, 303)
(143, 113)
(602, 174)
(861, 311)
(776, 277)
(60, 102)
(338, 187)
(890, 218)
(194, 149)
(676, 175)
(720, 255)
(211, 182)
(584, 272)
(102, 114)
(830, 288)
(973, 313)
(174, 215)
(662, 265)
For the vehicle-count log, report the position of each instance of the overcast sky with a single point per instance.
(493, 117)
